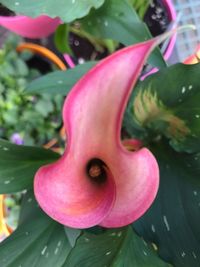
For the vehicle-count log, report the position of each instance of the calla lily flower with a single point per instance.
(39, 27)
(97, 180)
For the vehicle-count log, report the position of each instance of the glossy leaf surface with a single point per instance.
(18, 165)
(114, 248)
(38, 241)
(61, 39)
(172, 222)
(67, 10)
(59, 82)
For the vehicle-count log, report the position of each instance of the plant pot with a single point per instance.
(39, 27)
(160, 17)
(168, 46)
(172, 15)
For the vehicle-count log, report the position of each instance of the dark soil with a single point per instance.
(84, 50)
(44, 65)
(157, 18)
(5, 11)
(39, 63)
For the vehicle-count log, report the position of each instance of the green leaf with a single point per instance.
(117, 20)
(67, 10)
(113, 248)
(62, 39)
(167, 103)
(18, 165)
(44, 107)
(140, 6)
(72, 235)
(172, 222)
(21, 68)
(59, 82)
(38, 241)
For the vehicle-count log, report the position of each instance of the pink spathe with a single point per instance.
(92, 116)
(39, 27)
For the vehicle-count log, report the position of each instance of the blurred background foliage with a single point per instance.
(24, 119)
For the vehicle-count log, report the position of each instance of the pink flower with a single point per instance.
(97, 180)
(39, 27)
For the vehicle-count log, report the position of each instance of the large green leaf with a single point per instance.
(172, 222)
(114, 248)
(18, 165)
(117, 20)
(38, 241)
(59, 82)
(168, 103)
(72, 235)
(61, 39)
(67, 10)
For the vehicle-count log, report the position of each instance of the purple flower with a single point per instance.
(17, 139)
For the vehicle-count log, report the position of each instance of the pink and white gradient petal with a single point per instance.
(92, 116)
(66, 194)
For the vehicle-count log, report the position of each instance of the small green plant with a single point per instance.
(140, 6)
(23, 118)
(12, 203)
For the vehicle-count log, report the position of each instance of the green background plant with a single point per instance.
(12, 204)
(67, 10)
(36, 118)
(140, 6)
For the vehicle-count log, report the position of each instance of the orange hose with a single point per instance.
(43, 51)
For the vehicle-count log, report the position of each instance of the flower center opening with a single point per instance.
(96, 170)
